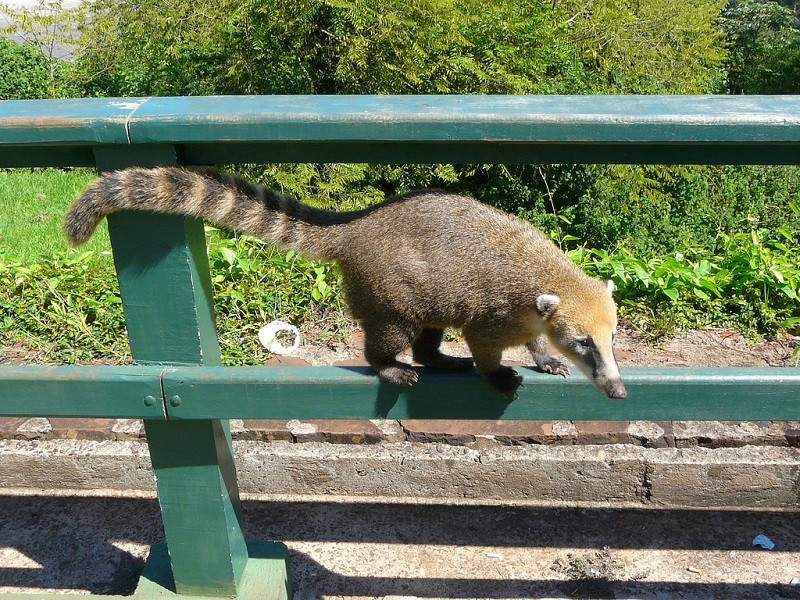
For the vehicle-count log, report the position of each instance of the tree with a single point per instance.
(154, 47)
(764, 42)
(325, 46)
(649, 47)
(49, 28)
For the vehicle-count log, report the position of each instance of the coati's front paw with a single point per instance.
(552, 365)
(403, 375)
(505, 380)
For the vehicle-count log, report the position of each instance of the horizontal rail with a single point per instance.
(129, 392)
(411, 129)
(355, 393)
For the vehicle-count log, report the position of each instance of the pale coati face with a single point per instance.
(583, 327)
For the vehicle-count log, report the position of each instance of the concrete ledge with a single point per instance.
(747, 477)
(75, 464)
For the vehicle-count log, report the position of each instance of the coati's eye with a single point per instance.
(582, 343)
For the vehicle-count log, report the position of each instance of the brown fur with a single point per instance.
(412, 266)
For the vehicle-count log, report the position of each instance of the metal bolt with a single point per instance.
(175, 401)
(149, 401)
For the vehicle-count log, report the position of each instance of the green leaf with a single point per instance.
(228, 255)
(670, 292)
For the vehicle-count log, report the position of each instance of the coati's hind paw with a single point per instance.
(399, 374)
(552, 365)
(505, 380)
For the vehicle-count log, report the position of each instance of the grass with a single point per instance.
(32, 207)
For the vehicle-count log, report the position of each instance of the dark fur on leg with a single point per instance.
(427, 353)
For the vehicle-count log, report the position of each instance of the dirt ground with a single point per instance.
(708, 348)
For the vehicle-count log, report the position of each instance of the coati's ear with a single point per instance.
(547, 304)
(610, 286)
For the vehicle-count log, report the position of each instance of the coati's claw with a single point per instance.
(553, 365)
(399, 375)
(505, 380)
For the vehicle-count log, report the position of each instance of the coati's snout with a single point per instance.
(614, 388)
(583, 328)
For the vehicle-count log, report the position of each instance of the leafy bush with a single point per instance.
(24, 73)
(650, 209)
(64, 306)
(655, 209)
(68, 306)
(655, 47)
(148, 47)
(752, 284)
(324, 46)
(36, 67)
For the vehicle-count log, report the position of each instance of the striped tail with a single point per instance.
(223, 200)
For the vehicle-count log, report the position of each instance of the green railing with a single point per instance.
(185, 397)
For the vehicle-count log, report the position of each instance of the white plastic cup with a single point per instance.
(267, 335)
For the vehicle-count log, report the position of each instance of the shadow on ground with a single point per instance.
(375, 549)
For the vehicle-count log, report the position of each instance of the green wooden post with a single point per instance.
(164, 280)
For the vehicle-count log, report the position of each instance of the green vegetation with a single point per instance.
(34, 69)
(764, 40)
(34, 202)
(255, 283)
(23, 72)
(65, 306)
(396, 46)
(686, 245)
(752, 284)
(655, 210)
(68, 305)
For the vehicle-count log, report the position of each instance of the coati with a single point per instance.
(411, 265)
